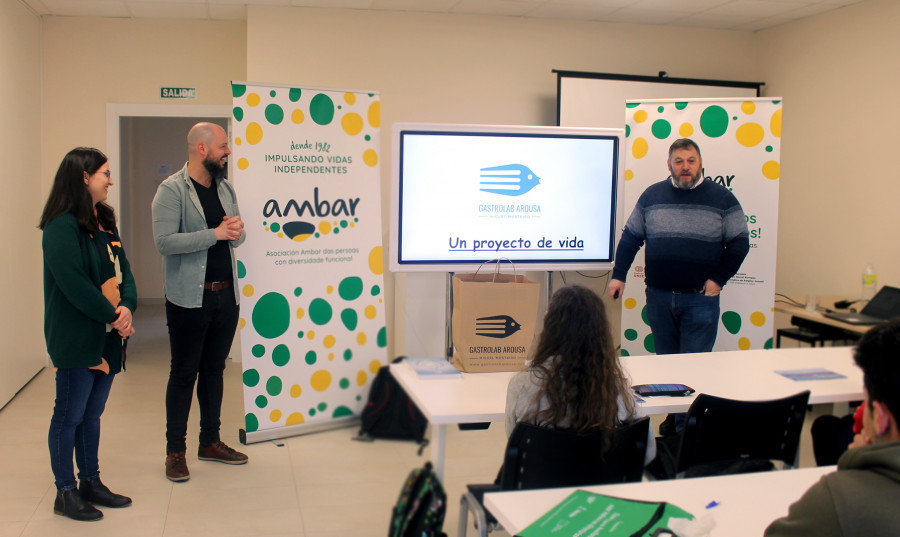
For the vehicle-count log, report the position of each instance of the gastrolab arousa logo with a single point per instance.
(508, 180)
(496, 326)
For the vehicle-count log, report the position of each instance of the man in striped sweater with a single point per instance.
(696, 236)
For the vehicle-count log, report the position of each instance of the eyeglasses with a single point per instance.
(106, 173)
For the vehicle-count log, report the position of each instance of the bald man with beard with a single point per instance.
(196, 227)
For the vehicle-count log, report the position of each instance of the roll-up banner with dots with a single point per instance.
(740, 143)
(310, 272)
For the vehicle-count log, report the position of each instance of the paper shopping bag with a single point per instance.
(493, 321)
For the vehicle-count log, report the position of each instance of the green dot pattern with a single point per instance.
(350, 288)
(251, 377)
(281, 355)
(258, 351)
(321, 109)
(274, 114)
(350, 319)
(273, 386)
(251, 423)
(714, 121)
(631, 334)
(320, 311)
(661, 129)
(732, 321)
(271, 315)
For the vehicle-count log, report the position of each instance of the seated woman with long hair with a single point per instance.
(575, 381)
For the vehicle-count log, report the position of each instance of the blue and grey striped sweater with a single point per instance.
(691, 235)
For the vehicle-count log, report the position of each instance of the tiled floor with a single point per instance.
(317, 485)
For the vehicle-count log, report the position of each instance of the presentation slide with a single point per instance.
(466, 197)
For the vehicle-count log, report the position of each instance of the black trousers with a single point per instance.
(200, 339)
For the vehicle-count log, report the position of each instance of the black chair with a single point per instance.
(539, 457)
(723, 436)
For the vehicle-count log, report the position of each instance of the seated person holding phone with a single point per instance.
(575, 381)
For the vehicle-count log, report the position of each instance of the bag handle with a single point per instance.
(497, 267)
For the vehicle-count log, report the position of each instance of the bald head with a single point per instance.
(207, 152)
(204, 133)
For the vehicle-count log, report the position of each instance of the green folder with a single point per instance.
(585, 514)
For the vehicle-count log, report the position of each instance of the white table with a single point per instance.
(747, 375)
(748, 503)
(472, 398)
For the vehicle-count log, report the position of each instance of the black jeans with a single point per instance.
(200, 339)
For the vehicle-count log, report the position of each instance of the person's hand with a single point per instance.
(123, 322)
(103, 367)
(615, 289)
(128, 332)
(859, 440)
(711, 288)
(230, 229)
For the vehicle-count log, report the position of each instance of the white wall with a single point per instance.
(21, 316)
(839, 78)
(467, 69)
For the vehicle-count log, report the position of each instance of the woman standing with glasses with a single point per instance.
(89, 297)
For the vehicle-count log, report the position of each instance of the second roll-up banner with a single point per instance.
(311, 272)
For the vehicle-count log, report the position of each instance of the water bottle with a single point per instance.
(869, 282)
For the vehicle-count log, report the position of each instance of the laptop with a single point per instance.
(883, 306)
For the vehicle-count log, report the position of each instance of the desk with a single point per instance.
(748, 503)
(475, 397)
(817, 317)
(748, 375)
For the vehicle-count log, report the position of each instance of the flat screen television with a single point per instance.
(544, 198)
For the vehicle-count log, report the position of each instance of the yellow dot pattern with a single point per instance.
(248, 290)
(320, 380)
(243, 163)
(296, 390)
(361, 378)
(242, 323)
(350, 98)
(254, 133)
(324, 228)
(629, 175)
(775, 123)
(374, 366)
(750, 134)
(630, 303)
(352, 123)
(300, 313)
(640, 116)
(748, 107)
(329, 289)
(275, 415)
(361, 338)
(297, 117)
(639, 148)
(686, 130)
(370, 312)
(757, 318)
(744, 344)
(376, 261)
(375, 114)
(295, 418)
(311, 335)
(370, 157)
(771, 170)
(253, 99)
(238, 141)
(329, 341)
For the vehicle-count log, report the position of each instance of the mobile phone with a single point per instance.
(648, 390)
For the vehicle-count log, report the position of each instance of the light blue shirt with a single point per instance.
(183, 238)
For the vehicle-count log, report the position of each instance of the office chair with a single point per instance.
(723, 436)
(539, 457)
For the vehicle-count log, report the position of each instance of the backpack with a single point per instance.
(421, 506)
(390, 413)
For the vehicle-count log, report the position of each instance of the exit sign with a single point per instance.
(177, 93)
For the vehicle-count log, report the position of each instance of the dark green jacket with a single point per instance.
(75, 311)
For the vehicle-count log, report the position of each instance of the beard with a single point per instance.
(691, 184)
(216, 170)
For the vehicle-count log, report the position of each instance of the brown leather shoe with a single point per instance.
(219, 452)
(176, 466)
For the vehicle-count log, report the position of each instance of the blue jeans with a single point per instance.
(682, 322)
(81, 397)
(200, 339)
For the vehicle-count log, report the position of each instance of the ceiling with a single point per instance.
(745, 15)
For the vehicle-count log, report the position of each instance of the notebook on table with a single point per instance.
(883, 306)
